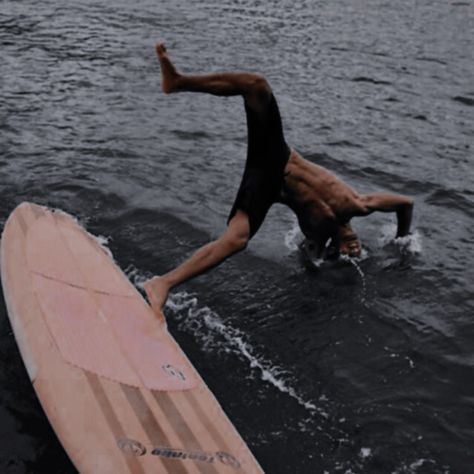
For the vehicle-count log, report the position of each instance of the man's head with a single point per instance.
(349, 243)
(345, 242)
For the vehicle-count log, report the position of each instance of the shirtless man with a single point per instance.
(323, 204)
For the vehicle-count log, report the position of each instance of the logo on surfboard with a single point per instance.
(132, 447)
(173, 372)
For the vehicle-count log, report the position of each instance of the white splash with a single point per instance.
(103, 242)
(355, 264)
(83, 223)
(365, 453)
(293, 237)
(216, 335)
(135, 276)
(411, 243)
(413, 467)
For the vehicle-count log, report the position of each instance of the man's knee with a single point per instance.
(235, 242)
(260, 84)
(237, 234)
(258, 88)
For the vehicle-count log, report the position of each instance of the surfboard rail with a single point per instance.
(117, 389)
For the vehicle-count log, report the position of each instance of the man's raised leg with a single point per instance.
(257, 95)
(253, 87)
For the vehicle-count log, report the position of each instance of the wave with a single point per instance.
(346, 168)
(344, 143)
(464, 100)
(452, 199)
(370, 80)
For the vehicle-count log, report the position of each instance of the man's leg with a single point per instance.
(252, 87)
(257, 94)
(234, 239)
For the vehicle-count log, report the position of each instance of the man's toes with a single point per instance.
(160, 48)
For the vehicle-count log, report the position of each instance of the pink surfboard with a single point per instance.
(119, 392)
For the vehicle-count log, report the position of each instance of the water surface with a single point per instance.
(334, 368)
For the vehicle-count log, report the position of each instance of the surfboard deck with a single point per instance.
(118, 391)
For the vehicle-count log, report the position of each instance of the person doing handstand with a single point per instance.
(323, 203)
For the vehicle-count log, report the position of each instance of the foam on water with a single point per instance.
(102, 240)
(412, 468)
(294, 237)
(365, 453)
(411, 244)
(215, 335)
(136, 276)
(294, 240)
(104, 243)
(354, 262)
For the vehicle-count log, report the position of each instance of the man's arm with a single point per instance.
(234, 239)
(402, 205)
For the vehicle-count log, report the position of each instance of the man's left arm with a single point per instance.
(401, 205)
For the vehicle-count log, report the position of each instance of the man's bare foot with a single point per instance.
(157, 291)
(169, 75)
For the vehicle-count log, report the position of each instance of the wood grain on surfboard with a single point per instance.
(117, 389)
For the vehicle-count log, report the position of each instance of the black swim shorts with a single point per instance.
(267, 155)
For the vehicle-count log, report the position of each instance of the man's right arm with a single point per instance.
(404, 217)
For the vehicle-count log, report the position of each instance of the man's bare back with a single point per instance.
(324, 206)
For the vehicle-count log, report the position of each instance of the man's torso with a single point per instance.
(321, 201)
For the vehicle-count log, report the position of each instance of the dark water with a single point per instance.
(337, 369)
